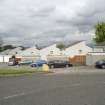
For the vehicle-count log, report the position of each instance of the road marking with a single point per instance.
(12, 96)
(30, 92)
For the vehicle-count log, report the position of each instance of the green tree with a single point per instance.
(13, 57)
(6, 47)
(1, 43)
(61, 46)
(100, 32)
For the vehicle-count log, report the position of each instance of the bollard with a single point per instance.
(45, 68)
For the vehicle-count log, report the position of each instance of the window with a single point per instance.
(80, 51)
(51, 52)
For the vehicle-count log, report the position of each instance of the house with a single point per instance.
(76, 51)
(15, 51)
(5, 52)
(29, 54)
(77, 48)
(49, 51)
(4, 58)
(12, 51)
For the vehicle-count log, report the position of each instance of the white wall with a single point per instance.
(48, 50)
(75, 49)
(92, 58)
(29, 52)
(4, 58)
(97, 49)
(1, 58)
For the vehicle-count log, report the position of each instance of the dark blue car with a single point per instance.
(38, 63)
(100, 64)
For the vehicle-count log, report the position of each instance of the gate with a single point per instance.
(78, 60)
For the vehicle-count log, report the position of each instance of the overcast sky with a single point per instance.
(30, 22)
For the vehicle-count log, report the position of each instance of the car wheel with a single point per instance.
(31, 65)
(67, 66)
(34, 65)
(103, 66)
(52, 66)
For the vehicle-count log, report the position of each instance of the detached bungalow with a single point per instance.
(29, 54)
(12, 51)
(51, 50)
(77, 51)
(5, 55)
(77, 48)
(15, 51)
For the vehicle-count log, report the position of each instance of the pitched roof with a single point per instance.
(71, 43)
(45, 46)
(67, 44)
(5, 52)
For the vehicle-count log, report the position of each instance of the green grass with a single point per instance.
(17, 71)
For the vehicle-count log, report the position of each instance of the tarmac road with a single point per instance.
(79, 88)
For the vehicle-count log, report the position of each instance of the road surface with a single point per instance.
(80, 88)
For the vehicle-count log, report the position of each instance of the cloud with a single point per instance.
(29, 21)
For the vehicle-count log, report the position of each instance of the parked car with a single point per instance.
(100, 64)
(26, 62)
(38, 63)
(13, 62)
(59, 64)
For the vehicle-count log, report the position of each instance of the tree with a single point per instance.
(6, 47)
(1, 43)
(13, 57)
(100, 32)
(61, 46)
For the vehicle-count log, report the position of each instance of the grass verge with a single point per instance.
(18, 71)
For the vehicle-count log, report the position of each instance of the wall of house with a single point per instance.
(4, 58)
(15, 51)
(78, 49)
(29, 52)
(51, 50)
(33, 58)
(1, 58)
(59, 57)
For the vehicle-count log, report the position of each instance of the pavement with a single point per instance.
(77, 69)
(72, 86)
